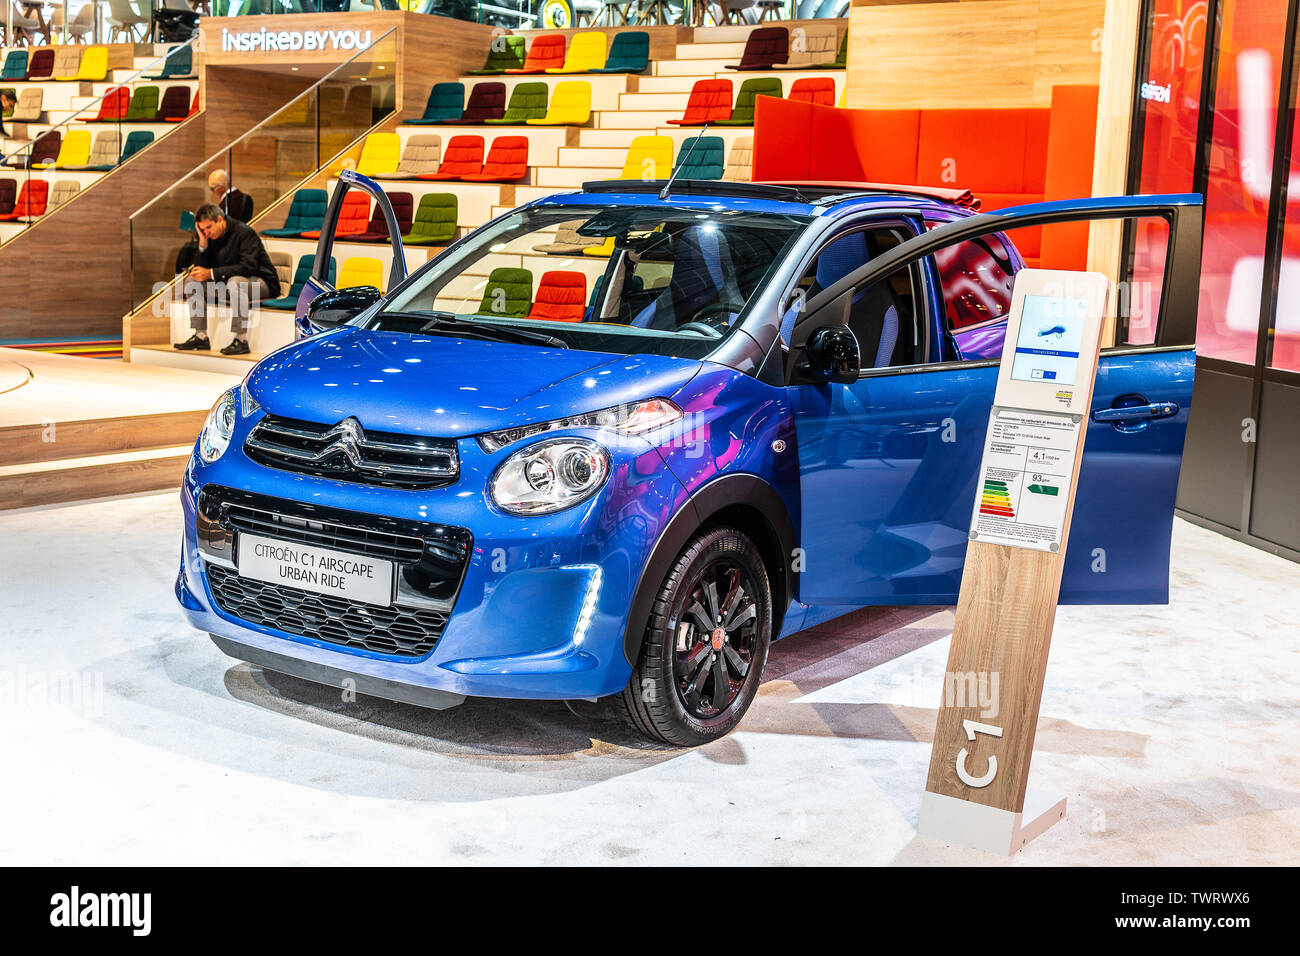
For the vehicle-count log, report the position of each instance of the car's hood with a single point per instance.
(448, 387)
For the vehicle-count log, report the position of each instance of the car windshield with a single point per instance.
(626, 279)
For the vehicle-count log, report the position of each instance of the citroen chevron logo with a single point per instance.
(348, 438)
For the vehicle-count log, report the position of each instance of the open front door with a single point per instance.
(889, 462)
(320, 281)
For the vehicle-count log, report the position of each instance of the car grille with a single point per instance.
(430, 559)
(349, 453)
(408, 632)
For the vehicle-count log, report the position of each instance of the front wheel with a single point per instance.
(705, 644)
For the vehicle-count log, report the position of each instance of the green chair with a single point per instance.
(505, 53)
(527, 101)
(742, 114)
(629, 53)
(509, 292)
(144, 105)
(435, 221)
(701, 157)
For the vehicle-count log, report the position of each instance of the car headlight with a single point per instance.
(549, 476)
(215, 437)
(631, 419)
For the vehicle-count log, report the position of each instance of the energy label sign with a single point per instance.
(1025, 479)
(246, 41)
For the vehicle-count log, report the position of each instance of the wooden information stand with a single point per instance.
(976, 793)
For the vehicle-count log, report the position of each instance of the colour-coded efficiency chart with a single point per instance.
(996, 499)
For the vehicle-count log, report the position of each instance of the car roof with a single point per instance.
(792, 198)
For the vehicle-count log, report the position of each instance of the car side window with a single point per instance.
(976, 277)
(884, 317)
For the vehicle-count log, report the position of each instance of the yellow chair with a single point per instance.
(380, 154)
(94, 64)
(73, 151)
(570, 105)
(586, 52)
(604, 250)
(361, 270)
(649, 157)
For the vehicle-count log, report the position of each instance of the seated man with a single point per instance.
(231, 265)
(235, 204)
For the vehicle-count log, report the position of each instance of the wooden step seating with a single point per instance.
(144, 426)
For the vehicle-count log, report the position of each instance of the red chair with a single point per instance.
(354, 216)
(31, 201)
(377, 231)
(507, 162)
(547, 51)
(819, 90)
(764, 47)
(710, 100)
(561, 297)
(41, 64)
(486, 101)
(462, 157)
(113, 106)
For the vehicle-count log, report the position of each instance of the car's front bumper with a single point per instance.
(542, 607)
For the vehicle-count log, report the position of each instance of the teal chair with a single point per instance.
(300, 276)
(707, 160)
(136, 140)
(629, 53)
(446, 104)
(306, 214)
(179, 64)
(15, 66)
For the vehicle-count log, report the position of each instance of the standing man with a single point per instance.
(231, 266)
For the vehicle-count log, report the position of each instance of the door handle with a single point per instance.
(1136, 413)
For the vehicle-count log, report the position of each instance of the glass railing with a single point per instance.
(319, 127)
(71, 140)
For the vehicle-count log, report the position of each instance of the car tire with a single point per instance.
(677, 693)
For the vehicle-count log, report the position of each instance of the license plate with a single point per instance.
(337, 573)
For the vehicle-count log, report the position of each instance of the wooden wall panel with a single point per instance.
(977, 53)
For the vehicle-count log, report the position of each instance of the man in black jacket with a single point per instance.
(232, 268)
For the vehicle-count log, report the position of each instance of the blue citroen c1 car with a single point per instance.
(613, 443)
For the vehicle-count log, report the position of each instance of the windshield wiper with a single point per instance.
(449, 322)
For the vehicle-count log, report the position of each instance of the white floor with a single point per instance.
(1173, 731)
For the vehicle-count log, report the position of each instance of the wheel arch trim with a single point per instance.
(709, 500)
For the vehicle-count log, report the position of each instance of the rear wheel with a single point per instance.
(706, 642)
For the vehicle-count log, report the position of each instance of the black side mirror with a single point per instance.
(334, 308)
(831, 355)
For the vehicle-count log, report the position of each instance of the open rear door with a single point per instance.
(319, 280)
(889, 462)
